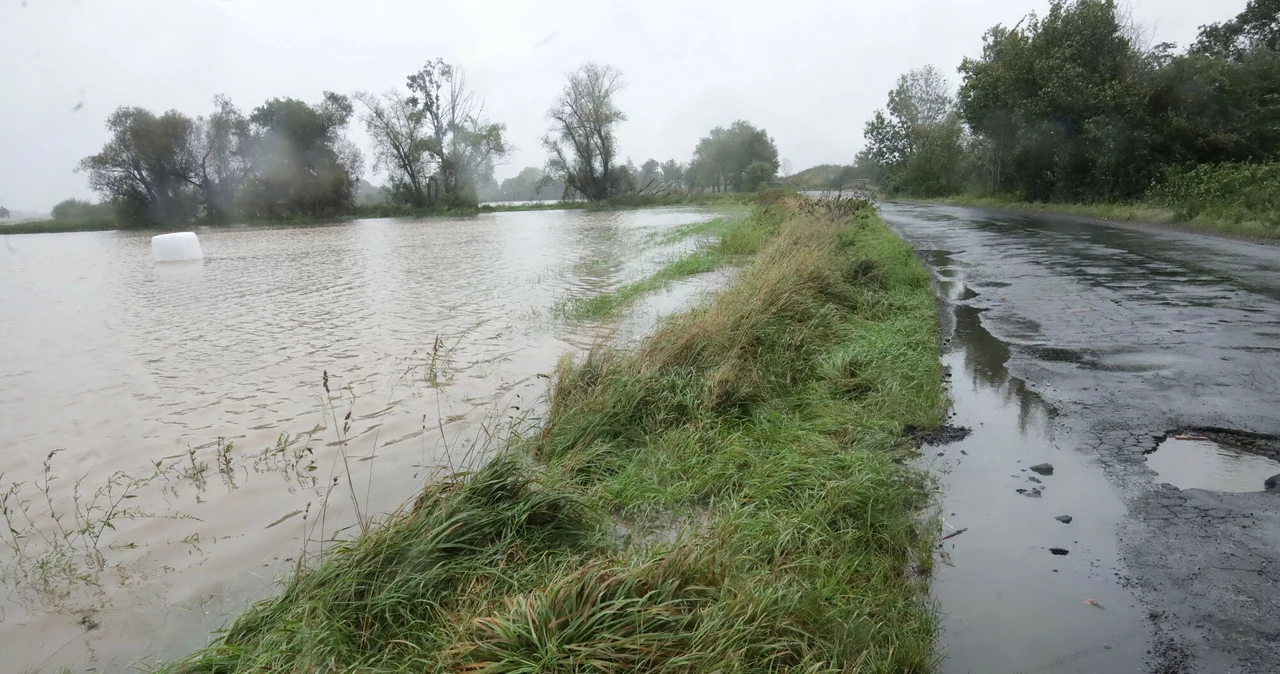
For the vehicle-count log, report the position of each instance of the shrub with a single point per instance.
(1231, 192)
(75, 210)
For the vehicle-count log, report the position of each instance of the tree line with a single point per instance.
(432, 139)
(287, 157)
(1072, 106)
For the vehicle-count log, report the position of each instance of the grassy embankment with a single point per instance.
(57, 226)
(728, 496)
(1120, 212)
(1224, 218)
(390, 211)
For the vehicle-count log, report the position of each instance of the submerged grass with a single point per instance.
(727, 497)
(727, 241)
(626, 201)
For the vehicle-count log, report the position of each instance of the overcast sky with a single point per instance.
(808, 72)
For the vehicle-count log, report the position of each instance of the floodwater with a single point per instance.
(1204, 464)
(344, 366)
(524, 202)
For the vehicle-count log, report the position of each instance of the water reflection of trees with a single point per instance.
(984, 358)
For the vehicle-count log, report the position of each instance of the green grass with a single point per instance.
(729, 496)
(1211, 220)
(1134, 212)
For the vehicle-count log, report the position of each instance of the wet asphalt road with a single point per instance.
(1087, 345)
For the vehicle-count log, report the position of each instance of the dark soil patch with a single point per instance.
(1169, 654)
(943, 435)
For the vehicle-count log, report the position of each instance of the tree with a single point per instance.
(888, 139)
(1072, 106)
(1256, 28)
(1214, 109)
(220, 145)
(758, 174)
(71, 210)
(918, 140)
(300, 163)
(1058, 101)
(721, 158)
(367, 194)
(625, 179)
(530, 184)
(582, 141)
(465, 146)
(148, 167)
(4, 213)
(402, 144)
(649, 175)
(673, 172)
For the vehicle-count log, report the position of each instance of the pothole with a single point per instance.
(1250, 443)
(1215, 460)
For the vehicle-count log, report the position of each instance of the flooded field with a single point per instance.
(179, 435)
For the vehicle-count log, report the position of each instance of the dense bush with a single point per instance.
(1231, 192)
(75, 210)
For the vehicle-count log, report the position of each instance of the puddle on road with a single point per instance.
(1204, 464)
(1009, 604)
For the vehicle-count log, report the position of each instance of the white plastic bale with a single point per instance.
(176, 247)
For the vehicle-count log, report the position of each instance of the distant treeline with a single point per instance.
(1072, 106)
(289, 159)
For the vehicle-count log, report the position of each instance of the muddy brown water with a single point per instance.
(435, 335)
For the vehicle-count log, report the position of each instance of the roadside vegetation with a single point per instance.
(1230, 220)
(1071, 110)
(1137, 212)
(730, 495)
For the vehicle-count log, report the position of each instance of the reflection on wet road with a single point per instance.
(1083, 345)
(431, 333)
(1201, 464)
(1000, 575)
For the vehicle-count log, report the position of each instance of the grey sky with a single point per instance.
(809, 72)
